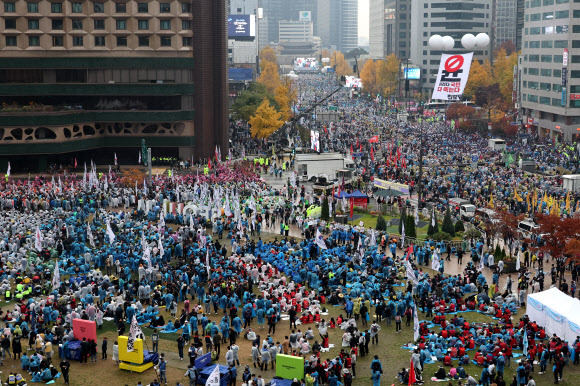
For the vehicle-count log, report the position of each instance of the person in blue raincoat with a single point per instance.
(376, 377)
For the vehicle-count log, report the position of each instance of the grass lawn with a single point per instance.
(370, 221)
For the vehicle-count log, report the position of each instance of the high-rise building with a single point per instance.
(86, 79)
(519, 23)
(550, 69)
(337, 24)
(390, 28)
(279, 10)
(243, 47)
(295, 31)
(455, 19)
(504, 26)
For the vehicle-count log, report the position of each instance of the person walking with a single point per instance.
(64, 369)
(162, 367)
(104, 348)
(155, 341)
(180, 345)
(191, 375)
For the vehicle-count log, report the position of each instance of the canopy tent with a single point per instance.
(343, 194)
(557, 312)
(360, 199)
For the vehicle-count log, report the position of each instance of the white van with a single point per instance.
(467, 211)
(527, 228)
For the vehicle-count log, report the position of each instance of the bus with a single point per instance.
(439, 107)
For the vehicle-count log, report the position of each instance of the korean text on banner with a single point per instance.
(452, 76)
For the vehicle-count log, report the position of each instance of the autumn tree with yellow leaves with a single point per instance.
(480, 75)
(269, 76)
(268, 55)
(265, 121)
(339, 63)
(381, 76)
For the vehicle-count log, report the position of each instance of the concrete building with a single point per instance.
(430, 17)
(519, 24)
(504, 25)
(86, 79)
(295, 31)
(337, 24)
(550, 69)
(279, 10)
(390, 28)
(244, 49)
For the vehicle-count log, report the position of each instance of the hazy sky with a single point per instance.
(363, 18)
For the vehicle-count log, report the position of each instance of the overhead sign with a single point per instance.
(452, 76)
(412, 73)
(241, 26)
(305, 16)
(391, 185)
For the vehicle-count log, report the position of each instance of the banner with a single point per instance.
(382, 184)
(289, 367)
(452, 76)
(84, 329)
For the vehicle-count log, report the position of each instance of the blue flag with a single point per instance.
(526, 343)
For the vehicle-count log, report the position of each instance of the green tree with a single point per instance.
(410, 230)
(447, 226)
(431, 230)
(402, 220)
(381, 223)
(325, 211)
(249, 100)
(459, 227)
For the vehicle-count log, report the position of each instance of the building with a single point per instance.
(390, 28)
(550, 69)
(455, 19)
(504, 28)
(279, 10)
(519, 24)
(295, 31)
(86, 79)
(243, 48)
(337, 24)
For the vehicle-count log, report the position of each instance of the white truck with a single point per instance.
(571, 182)
(326, 165)
(496, 144)
(467, 211)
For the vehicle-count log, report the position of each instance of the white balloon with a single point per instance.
(482, 40)
(436, 42)
(448, 43)
(468, 41)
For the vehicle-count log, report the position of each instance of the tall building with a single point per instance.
(279, 10)
(85, 79)
(295, 31)
(243, 37)
(337, 24)
(504, 26)
(455, 19)
(550, 69)
(519, 24)
(390, 28)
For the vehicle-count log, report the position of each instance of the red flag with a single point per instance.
(398, 153)
(412, 377)
(216, 154)
(333, 191)
(351, 207)
(357, 143)
(75, 163)
(209, 164)
(374, 139)
(351, 151)
(372, 154)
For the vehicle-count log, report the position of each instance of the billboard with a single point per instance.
(413, 73)
(306, 63)
(352, 81)
(314, 140)
(305, 16)
(241, 26)
(452, 76)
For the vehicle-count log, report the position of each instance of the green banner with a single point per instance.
(289, 367)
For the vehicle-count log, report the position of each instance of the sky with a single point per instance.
(363, 19)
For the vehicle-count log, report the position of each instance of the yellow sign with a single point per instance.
(135, 356)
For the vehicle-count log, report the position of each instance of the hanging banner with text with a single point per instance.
(452, 76)
(386, 185)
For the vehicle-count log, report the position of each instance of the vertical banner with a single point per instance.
(452, 76)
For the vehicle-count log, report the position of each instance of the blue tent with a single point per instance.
(343, 194)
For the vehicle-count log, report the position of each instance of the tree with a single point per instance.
(325, 211)
(509, 47)
(389, 71)
(381, 223)
(431, 230)
(269, 76)
(132, 176)
(503, 74)
(561, 238)
(410, 230)
(459, 227)
(281, 96)
(507, 225)
(325, 53)
(268, 55)
(447, 226)
(339, 63)
(479, 75)
(265, 121)
(249, 100)
(370, 77)
(403, 220)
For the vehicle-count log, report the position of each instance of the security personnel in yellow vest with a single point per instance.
(206, 170)
(12, 379)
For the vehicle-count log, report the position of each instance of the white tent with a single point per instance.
(557, 312)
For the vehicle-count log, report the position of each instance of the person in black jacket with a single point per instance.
(64, 368)
(85, 349)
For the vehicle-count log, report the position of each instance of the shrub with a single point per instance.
(381, 223)
(403, 220)
(442, 236)
(325, 211)
(459, 226)
(447, 226)
(410, 230)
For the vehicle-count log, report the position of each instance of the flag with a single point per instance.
(373, 240)
(433, 218)
(75, 163)
(320, 240)
(8, 171)
(411, 273)
(139, 158)
(216, 154)
(207, 263)
(403, 235)
(481, 263)
(412, 377)
(56, 277)
(214, 377)
(38, 240)
(110, 232)
(135, 332)
(372, 154)
(90, 236)
(351, 207)
(161, 222)
(415, 324)
(435, 264)
(209, 164)
(416, 215)
(115, 159)
(160, 246)
(525, 350)
(518, 262)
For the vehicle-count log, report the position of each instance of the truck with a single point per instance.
(496, 144)
(467, 211)
(571, 182)
(326, 165)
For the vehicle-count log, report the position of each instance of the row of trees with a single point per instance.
(381, 76)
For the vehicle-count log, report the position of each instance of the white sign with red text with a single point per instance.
(452, 76)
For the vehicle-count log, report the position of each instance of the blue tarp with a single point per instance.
(358, 194)
(205, 373)
(343, 194)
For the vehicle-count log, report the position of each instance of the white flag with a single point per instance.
(410, 273)
(90, 235)
(160, 246)
(435, 264)
(115, 159)
(403, 235)
(320, 240)
(207, 264)
(481, 263)
(214, 377)
(518, 262)
(139, 158)
(38, 240)
(161, 222)
(373, 240)
(417, 216)
(415, 325)
(56, 277)
(135, 332)
(433, 218)
(110, 233)
(8, 171)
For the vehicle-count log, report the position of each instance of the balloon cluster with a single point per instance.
(468, 41)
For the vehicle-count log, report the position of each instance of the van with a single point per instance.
(467, 211)
(527, 228)
(487, 215)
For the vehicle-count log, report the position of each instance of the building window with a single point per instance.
(186, 7)
(99, 24)
(187, 41)
(545, 16)
(10, 41)
(34, 41)
(121, 41)
(143, 24)
(142, 7)
(56, 7)
(10, 23)
(562, 14)
(9, 6)
(545, 86)
(77, 41)
(546, 72)
(535, 31)
(546, 44)
(535, 44)
(77, 24)
(164, 7)
(165, 24)
(99, 7)
(120, 7)
(122, 24)
(32, 7)
(548, 2)
(534, 58)
(99, 41)
(33, 24)
(537, 16)
(57, 24)
(143, 41)
(544, 100)
(57, 41)
(165, 41)
(186, 24)
(560, 43)
(77, 7)
(546, 58)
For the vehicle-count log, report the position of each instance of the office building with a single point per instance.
(454, 19)
(505, 22)
(243, 48)
(390, 28)
(295, 31)
(82, 80)
(337, 24)
(550, 69)
(519, 23)
(280, 10)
